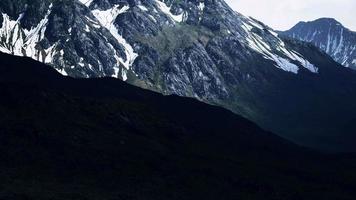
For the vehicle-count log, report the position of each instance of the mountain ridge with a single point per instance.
(329, 35)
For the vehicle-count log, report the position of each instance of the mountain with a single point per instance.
(63, 138)
(110, 38)
(192, 48)
(330, 36)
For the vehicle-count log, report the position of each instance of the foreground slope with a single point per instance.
(64, 138)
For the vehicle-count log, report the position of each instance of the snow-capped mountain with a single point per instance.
(330, 36)
(194, 48)
(159, 43)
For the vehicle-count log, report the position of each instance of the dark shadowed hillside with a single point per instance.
(73, 139)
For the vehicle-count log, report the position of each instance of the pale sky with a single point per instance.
(283, 14)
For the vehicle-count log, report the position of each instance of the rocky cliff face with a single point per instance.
(330, 36)
(194, 48)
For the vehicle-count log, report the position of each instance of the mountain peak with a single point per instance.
(321, 22)
(327, 21)
(329, 35)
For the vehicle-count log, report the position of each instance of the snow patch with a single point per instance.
(292, 55)
(124, 75)
(284, 64)
(94, 23)
(87, 29)
(49, 54)
(143, 8)
(86, 2)
(23, 42)
(4, 50)
(279, 53)
(167, 10)
(107, 19)
(81, 62)
(153, 18)
(11, 32)
(62, 71)
(201, 6)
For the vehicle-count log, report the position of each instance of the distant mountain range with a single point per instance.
(192, 48)
(68, 139)
(330, 36)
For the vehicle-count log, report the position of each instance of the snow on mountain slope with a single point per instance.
(107, 19)
(86, 2)
(330, 36)
(86, 30)
(20, 41)
(284, 58)
(167, 10)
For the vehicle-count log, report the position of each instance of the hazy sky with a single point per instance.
(283, 14)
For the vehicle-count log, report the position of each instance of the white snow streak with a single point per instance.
(201, 6)
(107, 19)
(86, 2)
(284, 56)
(62, 71)
(143, 8)
(167, 10)
(23, 42)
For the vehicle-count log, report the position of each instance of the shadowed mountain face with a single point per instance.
(330, 36)
(64, 138)
(200, 49)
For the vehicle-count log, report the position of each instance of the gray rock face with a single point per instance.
(330, 36)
